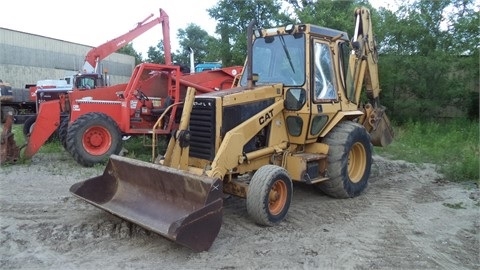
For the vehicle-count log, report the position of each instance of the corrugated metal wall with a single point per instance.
(26, 58)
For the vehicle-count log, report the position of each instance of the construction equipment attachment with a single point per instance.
(180, 206)
(383, 134)
(378, 125)
(9, 151)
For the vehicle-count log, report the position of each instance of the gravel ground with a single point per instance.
(409, 217)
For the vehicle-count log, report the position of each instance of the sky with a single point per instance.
(94, 22)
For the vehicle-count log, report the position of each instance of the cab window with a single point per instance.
(324, 87)
(86, 83)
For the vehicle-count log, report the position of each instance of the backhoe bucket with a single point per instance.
(180, 206)
(9, 151)
(383, 133)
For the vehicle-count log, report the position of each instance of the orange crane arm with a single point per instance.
(95, 55)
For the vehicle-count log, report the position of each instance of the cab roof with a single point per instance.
(308, 29)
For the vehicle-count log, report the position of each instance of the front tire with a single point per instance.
(269, 195)
(349, 160)
(92, 138)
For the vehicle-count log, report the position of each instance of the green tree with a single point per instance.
(203, 45)
(233, 17)
(328, 13)
(156, 54)
(464, 33)
(129, 50)
(429, 58)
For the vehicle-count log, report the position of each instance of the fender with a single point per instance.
(339, 117)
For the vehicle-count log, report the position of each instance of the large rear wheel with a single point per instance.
(349, 160)
(269, 195)
(92, 138)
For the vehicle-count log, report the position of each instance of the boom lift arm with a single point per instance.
(95, 55)
(364, 67)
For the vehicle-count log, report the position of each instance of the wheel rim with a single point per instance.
(96, 140)
(356, 162)
(277, 197)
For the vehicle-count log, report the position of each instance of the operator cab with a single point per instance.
(280, 55)
(310, 63)
(279, 59)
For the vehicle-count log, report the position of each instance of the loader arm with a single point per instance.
(176, 155)
(48, 120)
(363, 65)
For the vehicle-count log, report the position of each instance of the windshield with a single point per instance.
(85, 83)
(279, 59)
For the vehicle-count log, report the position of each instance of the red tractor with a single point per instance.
(91, 123)
(98, 119)
(90, 77)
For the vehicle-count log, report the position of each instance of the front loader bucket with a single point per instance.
(180, 206)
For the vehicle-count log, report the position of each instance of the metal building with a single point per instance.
(27, 58)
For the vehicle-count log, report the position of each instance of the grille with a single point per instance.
(202, 129)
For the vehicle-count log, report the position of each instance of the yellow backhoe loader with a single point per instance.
(296, 115)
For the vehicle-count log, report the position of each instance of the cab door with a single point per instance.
(324, 90)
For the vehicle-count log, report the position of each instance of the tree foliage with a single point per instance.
(233, 17)
(156, 54)
(129, 50)
(328, 13)
(429, 59)
(195, 38)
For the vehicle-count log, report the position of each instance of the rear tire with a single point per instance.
(269, 195)
(349, 160)
(92, 138)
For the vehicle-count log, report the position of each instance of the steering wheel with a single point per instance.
(141, 96)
